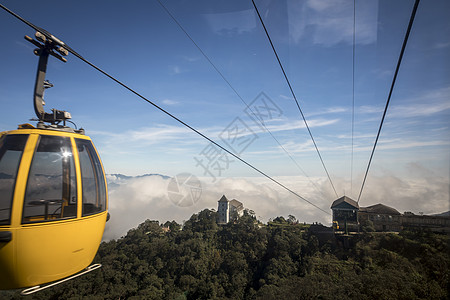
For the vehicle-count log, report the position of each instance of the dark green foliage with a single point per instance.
(249, 260)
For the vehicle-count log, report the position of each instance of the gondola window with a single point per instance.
(11, 149)
(51, 187)
(93, 181)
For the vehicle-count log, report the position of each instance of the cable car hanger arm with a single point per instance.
(43, 51)
(49, 44)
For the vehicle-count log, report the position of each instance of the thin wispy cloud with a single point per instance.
(356, 136)
(419, 110)
(157, 134)
(327, 111)
(170, 102)
(407, 144)
(329, 145)
(232, 23)
(369, 109)
(274, 126)
(291, 125)
(426, 104)
(330, 22)
(145, 136)
(296, 147)
(175, 70)
(441, 45)
(191, 58)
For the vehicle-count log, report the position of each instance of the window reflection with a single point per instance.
(93, 181)
(51, 187)
(11, 149)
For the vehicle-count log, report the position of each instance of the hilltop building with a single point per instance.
(435, 223)
(383, 217)
(348, 216)
(229, 210)
(345, 213)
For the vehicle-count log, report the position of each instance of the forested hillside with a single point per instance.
(249, 260)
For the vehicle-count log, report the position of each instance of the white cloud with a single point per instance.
(290, 125)
(146, 136)
(441, 45)
(175, 70)
(331, 21)
(362, 143)
(170, 102)
(134, 200)
(296, 147)
(274, 125)
(426, 104)
(428, 194)
(408, 144)
(191, 58)
(157, 134)
(357, 136)
(384, 143)
(327, 111)
(369, 109)
(232, 23)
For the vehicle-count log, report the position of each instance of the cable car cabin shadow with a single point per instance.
(53, 205)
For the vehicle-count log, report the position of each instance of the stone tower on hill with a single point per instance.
(229, 210)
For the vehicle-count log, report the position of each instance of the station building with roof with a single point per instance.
(348, 215)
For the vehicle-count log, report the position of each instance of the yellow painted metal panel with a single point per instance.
(54, 250)
(7, 261)
(21, 181)
(76, 159)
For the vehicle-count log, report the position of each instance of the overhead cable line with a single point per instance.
(237, 94)
(353, 94)
(295, 98)
(62, 44)
(402, 51)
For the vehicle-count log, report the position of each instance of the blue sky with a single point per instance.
(138, 42)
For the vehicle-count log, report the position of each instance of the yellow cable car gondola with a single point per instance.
(53, 194)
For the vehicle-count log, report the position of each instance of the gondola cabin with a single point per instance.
(53, 205)
(53, 194)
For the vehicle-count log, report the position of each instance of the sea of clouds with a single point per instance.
(132, 200)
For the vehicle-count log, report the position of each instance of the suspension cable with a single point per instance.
(405, 41)
(353, 95)
(160, 108)
(295, 98)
